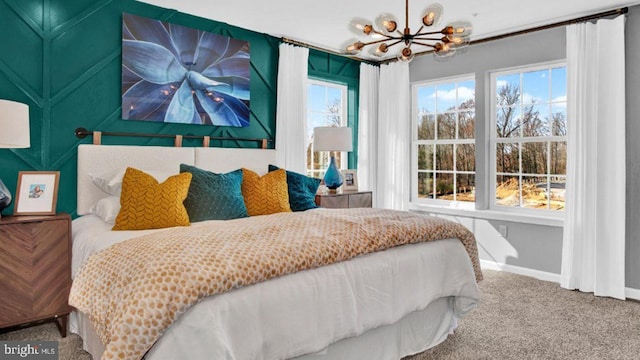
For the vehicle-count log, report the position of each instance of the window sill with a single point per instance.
(488, 214)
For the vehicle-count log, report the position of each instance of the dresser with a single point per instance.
(35, 269)
(346, 199)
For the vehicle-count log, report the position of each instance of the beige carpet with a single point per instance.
(519, 318)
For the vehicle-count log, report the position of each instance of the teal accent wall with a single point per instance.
(63, 59)
(345, 71)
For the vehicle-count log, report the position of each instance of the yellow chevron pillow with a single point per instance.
(265, 195)
(147, 204)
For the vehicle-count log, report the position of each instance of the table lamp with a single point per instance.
(14, 133)
(332, 138)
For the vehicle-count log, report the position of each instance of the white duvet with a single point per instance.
(305, 312)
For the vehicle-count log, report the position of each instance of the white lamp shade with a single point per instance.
(14, 125)
(332, 138)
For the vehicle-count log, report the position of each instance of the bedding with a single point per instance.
(259, 246)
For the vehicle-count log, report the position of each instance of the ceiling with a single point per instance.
(325, 23)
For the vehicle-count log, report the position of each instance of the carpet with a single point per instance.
(518, 318)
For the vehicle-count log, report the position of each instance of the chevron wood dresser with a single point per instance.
(35, 269)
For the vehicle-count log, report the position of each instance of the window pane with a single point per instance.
(535, 87)
(466, 94)
(508, 122)
(426, 127)
(558, 123)
(507, 158)
(535, 120)
(466, 157)
(446, 97)
(507, 191)
(466, 125)
(559, 84)
(534, 158)
(444, 186)
(334, 97)
(316, 97)
(444, 157)
(534, 192)
(558, 158)
(425, 157)
(466, 187)
(508, 90)
(447, 126)
(427, 99)
(425, 185)
(557, 192)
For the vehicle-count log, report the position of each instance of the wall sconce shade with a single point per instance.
(14, 125)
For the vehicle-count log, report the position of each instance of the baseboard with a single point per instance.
(542, 275)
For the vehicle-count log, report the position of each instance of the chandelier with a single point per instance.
(445, 42)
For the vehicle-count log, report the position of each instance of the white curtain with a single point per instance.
(394, 137)
(291, 124)
(593, 251)
(368, 128)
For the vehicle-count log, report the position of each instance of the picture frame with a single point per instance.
(37, 193)
(350, 180)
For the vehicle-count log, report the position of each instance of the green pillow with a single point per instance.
(214, 196)
(302, 190)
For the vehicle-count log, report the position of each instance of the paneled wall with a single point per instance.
(63, 58)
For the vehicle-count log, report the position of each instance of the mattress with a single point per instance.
(314, 312)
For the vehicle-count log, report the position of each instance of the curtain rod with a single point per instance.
(596, 16)
(81, 133)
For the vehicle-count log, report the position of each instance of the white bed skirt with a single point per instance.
(415, 333)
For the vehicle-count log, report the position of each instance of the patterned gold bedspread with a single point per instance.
(134, 290)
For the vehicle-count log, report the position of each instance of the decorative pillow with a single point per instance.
(147, 204)
(302, 190)
(267, 194)
(106, 208)
(111, 181)
(214, 196)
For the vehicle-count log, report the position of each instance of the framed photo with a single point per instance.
(37, 193)
(350, 180)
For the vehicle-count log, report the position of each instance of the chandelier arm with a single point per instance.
(388, 37)
(418, 32)
(378, 41)
(424, 44)
(394, 43)
(428, 33)
(427, 38)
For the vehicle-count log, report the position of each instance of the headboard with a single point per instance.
(101, 159)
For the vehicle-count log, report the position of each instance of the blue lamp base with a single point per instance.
(333, 177)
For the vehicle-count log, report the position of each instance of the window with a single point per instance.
(326, 106)
(443, 151)
(529, 140)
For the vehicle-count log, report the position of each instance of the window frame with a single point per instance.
(344, 90)
(415, 143)
(494, 140)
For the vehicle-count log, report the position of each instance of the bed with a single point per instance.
(381, 305)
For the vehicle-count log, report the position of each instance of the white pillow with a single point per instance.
(107, 209)
(111, 182)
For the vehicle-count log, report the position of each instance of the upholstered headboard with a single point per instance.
(102, 159)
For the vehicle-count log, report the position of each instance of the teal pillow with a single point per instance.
(214, 196)
(302, 190)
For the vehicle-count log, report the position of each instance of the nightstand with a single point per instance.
(35, 269)
(346, 199)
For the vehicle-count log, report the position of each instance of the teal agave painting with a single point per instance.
(176, 74)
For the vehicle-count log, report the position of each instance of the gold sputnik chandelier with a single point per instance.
(445, 42)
